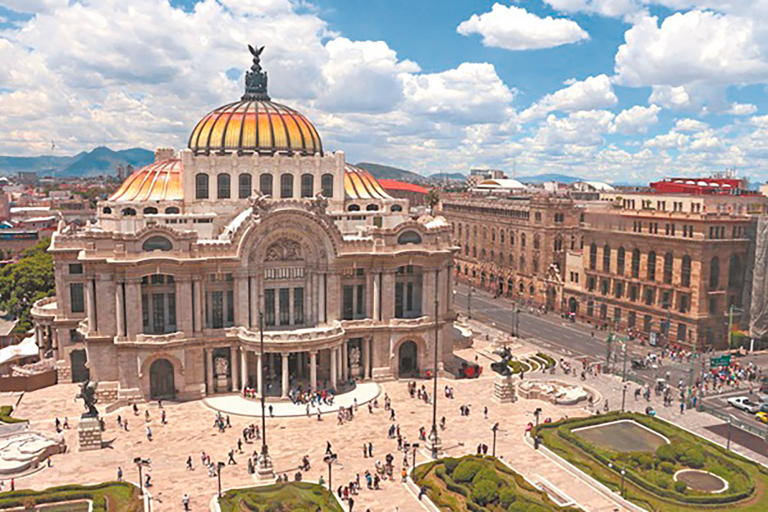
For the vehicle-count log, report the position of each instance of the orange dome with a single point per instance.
(360, 184)
(255, 126)
(159, 181)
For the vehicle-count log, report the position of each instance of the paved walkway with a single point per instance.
(238, 405)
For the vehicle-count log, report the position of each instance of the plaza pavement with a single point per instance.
(189, 431)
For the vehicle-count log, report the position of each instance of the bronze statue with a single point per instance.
(88, 394)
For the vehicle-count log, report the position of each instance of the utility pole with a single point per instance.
(435, 439)
(494, 429)
(469, 303)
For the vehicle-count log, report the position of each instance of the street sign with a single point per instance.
(720, 361)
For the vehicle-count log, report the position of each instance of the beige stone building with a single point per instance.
(253, 224)
(514, 246)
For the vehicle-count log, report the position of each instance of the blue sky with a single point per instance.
(617, 90)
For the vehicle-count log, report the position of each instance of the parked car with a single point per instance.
(744, 403)
(762, 417)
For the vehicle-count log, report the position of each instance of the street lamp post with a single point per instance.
(494, 429)
(623, 473)
(469, 303)
(264, 469)
(434, 438)
(623, 396)
(329, 459)
(141, 463)
(219, 467)
(414, 446)
(537, 413)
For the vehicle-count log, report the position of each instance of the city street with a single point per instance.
(579, 340)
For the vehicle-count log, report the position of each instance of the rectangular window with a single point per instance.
(618, 290)
(77, 297)
(171, 312)
(347, 301)
(398, 300)
(409, 297)
(217, 309)
(633, 293)
(647, 321)
(298, 306)
(158, 313)
(360, 301)
(269, 306)
(75, 268)
(145, 312)
(617, 315)
(685, 303)
(230, 307)
(631, 319)
(285, 306)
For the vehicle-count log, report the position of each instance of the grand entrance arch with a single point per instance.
(408, 364)
(161, 383)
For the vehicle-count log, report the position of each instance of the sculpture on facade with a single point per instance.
(354, 356)
(284, 249)
(88, 395)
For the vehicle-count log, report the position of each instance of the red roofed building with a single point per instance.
(413, 193)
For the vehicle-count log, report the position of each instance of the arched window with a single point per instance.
(157, 243)
(128, 212)
(106, 209)
(512, 239)
(636, 263)
(536, 241)
(714, 273)
(265, 185)
(493, 255)
(558, 244)
(522, 240)
(223, 186)
(592, 256)
(501, 234)
(621, 255)
(651, 266)
(735, 272)
(244, 186)
(353, 208)
(372, 208)
(685, 274)
(286, 186)
(409, 237)
(172, 210)
(307, 185)
(201, 186)
(326, 183)
(669, 261)
(485, 234)
(150, 210)
(398, 208)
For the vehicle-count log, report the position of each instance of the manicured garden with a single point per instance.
(109, 496)
(540, 361)
(280, 497)
(652, 478)
(5, 415)
(478, 483)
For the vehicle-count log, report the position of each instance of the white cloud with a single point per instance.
(690, 125)
(579, 128)
(670, 97)
(696, 46)
(34, 6)
(514, 28)
(742, 109)
(671, 140)
(595, 92)
(637, 119)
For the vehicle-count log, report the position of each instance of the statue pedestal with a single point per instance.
(89, 433)
(221, 383)
(264, 468)
(356, 370)
(503, 389)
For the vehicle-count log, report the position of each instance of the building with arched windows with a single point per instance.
(253, 225)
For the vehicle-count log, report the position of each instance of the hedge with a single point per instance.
(5, 415)
(98, 494)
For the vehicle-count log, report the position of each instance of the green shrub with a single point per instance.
(667, 467)
(466, 470)
(450, 464)
(487, 474)
(645, 461)
(662, 482)
(666, 453)
(693, 458)
(485, 492)
(507, 496)
(680, 487)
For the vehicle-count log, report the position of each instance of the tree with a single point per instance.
(432, 198)
(26, 281)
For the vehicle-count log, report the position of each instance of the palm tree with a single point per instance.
(432, 198)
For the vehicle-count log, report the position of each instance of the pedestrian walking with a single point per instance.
(119, 474)
(185, 501)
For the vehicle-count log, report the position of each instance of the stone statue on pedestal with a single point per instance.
(88, 394)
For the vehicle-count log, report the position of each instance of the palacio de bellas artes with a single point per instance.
(253, 224)
(384, 256)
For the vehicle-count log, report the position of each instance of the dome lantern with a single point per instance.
(255, 79)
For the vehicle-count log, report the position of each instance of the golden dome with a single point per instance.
(158, 181)
(360, 184)
(255, 126)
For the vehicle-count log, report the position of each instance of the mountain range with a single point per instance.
(100, 160)
(544, 178)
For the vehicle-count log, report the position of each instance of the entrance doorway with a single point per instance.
(161, 383)
(78, 359)
(408, 364)
(573, 306)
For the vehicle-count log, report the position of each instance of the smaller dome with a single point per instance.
(360, 184)
(158, 181)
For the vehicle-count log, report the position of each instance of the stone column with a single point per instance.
(376, 313)
(253, 302)
(333, 288)
(209, 371)
(184, 310)
(241, 300)
(345, 360)
(198, 307)
(332, 352)
(364, 357)
(120, 308)
(133, 311)
(243, 369)
(260, 373)
(90, 306)
(388, 295)
(369, 360)
(321, 293)
(284, 390)
(313, 370)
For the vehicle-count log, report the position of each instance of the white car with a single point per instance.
(744, 403)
